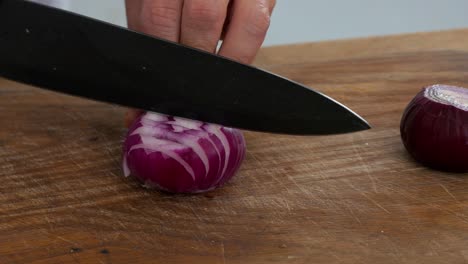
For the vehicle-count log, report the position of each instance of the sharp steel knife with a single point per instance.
(65, 52)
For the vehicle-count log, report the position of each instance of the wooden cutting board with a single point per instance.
(356, 198)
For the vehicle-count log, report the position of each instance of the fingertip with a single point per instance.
(202, 23)
(247, 30)
(161, 18)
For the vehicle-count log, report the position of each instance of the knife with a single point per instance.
(69, 53)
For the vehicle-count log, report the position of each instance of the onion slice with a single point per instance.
(181, 156)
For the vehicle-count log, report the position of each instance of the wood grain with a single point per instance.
(356, 198)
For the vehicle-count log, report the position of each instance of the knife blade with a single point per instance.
(69, 53)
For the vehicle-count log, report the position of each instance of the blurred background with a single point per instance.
(296, 21)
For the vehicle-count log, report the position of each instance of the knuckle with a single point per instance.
(202, 13)
(161, 15)
(259, 23)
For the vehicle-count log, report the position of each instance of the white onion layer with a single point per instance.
(150, 132)
(165, 147)
(216, 130)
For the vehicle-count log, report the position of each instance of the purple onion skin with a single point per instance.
(187, 156)
(436, 134)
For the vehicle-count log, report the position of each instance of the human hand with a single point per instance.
(241, 24)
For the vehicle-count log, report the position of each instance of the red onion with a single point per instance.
(434, 128)
(181, 156)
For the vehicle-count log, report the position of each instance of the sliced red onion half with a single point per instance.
(434, 127)
(181, 156)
